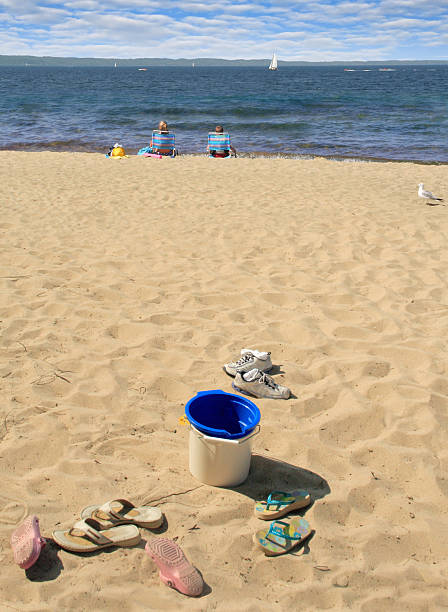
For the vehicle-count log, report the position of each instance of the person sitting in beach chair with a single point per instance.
(163, 141)
(219, 143)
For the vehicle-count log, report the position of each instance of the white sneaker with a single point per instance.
(259, 384)
(250, 359)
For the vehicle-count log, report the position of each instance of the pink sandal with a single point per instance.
(174, 568)
(26, 542)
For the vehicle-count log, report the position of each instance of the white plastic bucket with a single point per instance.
(218, 461)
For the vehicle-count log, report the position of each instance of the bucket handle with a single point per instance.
(226, 440)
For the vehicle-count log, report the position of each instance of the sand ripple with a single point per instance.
(124, 286)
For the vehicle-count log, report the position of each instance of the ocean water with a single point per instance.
(401, 114)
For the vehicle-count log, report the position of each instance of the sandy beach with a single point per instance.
(124, 288)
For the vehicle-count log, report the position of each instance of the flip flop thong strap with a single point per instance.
(275, 529)
(108, 509)
(277, 503)
(89, 531)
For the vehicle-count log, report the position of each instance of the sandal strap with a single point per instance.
(275, 529)
(277, 503)
(108, 510)
(90, 529)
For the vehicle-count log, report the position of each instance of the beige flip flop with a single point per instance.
(87, 536)
(123, 512)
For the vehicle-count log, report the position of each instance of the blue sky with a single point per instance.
(312, 30)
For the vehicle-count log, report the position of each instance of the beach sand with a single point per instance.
(126, 285)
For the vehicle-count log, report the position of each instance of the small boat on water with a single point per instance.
(386, 69)
(142, 69)
(273, 64)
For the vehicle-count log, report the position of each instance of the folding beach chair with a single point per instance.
(163, 141)
(220, 143)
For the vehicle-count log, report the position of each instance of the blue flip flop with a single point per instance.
(282, 536)
(280, 503)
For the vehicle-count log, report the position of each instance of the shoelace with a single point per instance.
(246, 357)
(267, 380)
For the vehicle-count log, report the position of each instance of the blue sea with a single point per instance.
(362, 113)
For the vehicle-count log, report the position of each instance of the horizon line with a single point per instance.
(219, 59)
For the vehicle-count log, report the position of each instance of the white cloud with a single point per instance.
(410, 23)
(307, 29)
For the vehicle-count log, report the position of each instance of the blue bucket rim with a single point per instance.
(221, 433)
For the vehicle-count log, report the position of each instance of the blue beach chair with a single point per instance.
(219, 144)
(163, 143)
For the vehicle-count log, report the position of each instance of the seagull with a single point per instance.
(422, 193)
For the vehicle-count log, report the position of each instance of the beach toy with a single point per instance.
(222, 415)
(175, 569)
(117, 151)
(222, 429)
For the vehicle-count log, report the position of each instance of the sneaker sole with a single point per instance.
(228, 373)
(245, 392)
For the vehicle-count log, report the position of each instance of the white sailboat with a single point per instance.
(115, 65)
(273, 64)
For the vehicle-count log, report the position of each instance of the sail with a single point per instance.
(273, 64)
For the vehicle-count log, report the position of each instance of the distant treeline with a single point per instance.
(147, 62)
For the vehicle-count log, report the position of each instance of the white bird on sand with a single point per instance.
(422, 193)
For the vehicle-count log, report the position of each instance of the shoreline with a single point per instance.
(244, 155)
